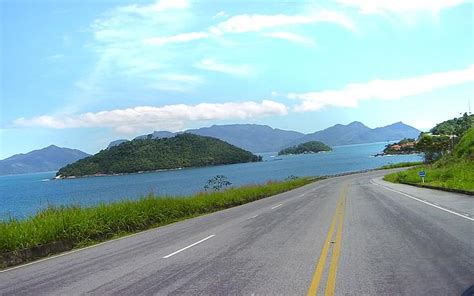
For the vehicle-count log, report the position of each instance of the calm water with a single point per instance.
(22, 195)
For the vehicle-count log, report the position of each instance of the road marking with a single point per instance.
(338, 218)
(423, 201)
(331, 282)
(255, 216)
(277, 206)
(190, 246)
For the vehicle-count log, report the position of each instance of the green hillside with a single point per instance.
(184, 150)
(308, 147)
(455, 170)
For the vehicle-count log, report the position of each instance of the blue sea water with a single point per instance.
(23, 195)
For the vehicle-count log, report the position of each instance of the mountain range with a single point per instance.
(262, 138)
(50, 158)
(252, 137)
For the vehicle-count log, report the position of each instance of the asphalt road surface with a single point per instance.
(350, 235)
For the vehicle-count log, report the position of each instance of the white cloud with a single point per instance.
(158, 6)
(169, 116)
(178, 38)
(400, 6)
(379, 89)
(236, 70)
(220, 14)
(290, 37)
(257, 22)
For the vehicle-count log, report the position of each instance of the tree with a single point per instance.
(217, 183)
(433, 147)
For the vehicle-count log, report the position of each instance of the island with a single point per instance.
(405, 146)
(307, 147)
(142, 155)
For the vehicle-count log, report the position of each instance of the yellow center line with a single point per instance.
(338, 218)
(331, 283)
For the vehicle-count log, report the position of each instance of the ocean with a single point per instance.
(24, 195)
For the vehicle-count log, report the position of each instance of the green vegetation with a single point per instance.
(400, 165)
(405, 146)
(454, 170)
(183, 150)
(308, 147)
(83, 226)
(457, 126)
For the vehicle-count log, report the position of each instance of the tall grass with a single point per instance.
(84, 225)
(458, 175)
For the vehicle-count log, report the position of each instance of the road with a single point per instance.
(349, 235)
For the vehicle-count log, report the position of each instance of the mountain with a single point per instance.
(262, 138)
(357, 133)
(251, 137)
(116, 143)
(183, 150)
(47, 159)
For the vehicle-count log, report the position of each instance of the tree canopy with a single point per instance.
(183, 150)
(307, 147)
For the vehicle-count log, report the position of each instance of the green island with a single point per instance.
(448, 165)
(81, 226)
(405, 146)
(141, 155)
(307, 147)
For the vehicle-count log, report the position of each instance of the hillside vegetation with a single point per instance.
(308, 147)
(454, 170)
(184, 150)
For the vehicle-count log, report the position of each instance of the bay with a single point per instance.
(24, 195)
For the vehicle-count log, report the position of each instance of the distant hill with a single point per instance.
(47, 159)
(251, 137)
(183, 150)
(308, 147)
(262, 138)
(117, 142)
(357, 133)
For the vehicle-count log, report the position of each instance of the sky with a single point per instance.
(80, 74)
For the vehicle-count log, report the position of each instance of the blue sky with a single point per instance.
(80, 74)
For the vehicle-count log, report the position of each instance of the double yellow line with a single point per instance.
(337, 219)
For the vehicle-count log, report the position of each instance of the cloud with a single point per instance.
(258, 22)
(290, 37)
(169, 116)
(158, 6)
(380, 89)
(178, 38)
(400, 6)
(236, 70)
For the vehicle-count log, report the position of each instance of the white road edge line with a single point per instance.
(425, 202)
(277, 206)
(190, 246)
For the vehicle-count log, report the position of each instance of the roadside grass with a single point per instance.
(86, 225)
(458, 175)
(400, 165)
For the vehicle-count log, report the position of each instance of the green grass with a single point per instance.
(86, 225)
(457, 176)
(454, 171)
(400, 165)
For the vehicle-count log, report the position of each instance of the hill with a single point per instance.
(357, 133)
(251, 137)
(455, 170)
(50, 158)
(183, 150)
(308, 147)
(455, 126)
(262, 138)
